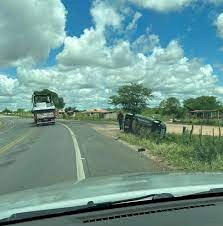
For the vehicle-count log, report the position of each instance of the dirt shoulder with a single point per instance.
(152, 152)
(109, 130)
(113, 131)
(206, 130)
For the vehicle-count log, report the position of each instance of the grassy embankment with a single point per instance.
(24, 115)
(196, 153)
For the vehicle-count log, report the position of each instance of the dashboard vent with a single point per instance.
(112, 217)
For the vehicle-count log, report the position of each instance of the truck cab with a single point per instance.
(43, 109)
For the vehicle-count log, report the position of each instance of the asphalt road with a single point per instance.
(33, 156)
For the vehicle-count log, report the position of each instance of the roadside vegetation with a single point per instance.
(84, 117)
(183, 152)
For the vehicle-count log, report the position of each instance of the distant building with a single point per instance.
(60, 112)
(70, 113)
(207, 114)
(101, 113)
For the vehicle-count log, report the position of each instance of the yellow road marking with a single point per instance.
(13, 143)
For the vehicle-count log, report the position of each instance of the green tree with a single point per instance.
(132, 97)
(170, 106)
(202, 103)
(20, 110)
(58, 101)
(6, 111)
(70, 109)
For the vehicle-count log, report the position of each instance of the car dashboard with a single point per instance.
(199, 212)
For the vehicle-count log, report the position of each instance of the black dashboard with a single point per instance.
(196, 212)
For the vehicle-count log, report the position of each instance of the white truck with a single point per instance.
(43, 109)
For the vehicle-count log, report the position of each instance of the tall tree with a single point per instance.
(20, 110)
(170, 106)
(70, 109)
(202, 103)
(58, 101)
(132, 98)
(6, 111)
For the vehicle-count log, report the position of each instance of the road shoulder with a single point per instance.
(113, 132)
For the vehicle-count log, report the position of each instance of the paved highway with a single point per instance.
(33, 156)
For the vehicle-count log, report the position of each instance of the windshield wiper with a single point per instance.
(89, 207)
(213, 192)
(160, 196)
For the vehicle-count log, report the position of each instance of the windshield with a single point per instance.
(41, 98)
(111, 96)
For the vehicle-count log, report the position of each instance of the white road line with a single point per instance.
(79, 163)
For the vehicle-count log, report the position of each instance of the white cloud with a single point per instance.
(105, 15)
(145, 43)
(133, 24)
(7, 85)
(90, 48)
(219, 24)
(163, 5)
(172, 53)
(90, 69)
(166, 70)
(29, 29)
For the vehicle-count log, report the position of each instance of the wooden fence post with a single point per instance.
(183, 133)
(184, 130)
(200, 135)
(191, 132)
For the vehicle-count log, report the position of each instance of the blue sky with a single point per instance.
(192, 26)
(89, 48)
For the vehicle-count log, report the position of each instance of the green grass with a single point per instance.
(26, 115)
(196, 155)
(23, 115)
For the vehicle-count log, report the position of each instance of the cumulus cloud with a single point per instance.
(90, 49)
(163, 5)
(145, 43)
(165, 69)
(7, 85)
(90, 68)
(105, 15)
(29, 29)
